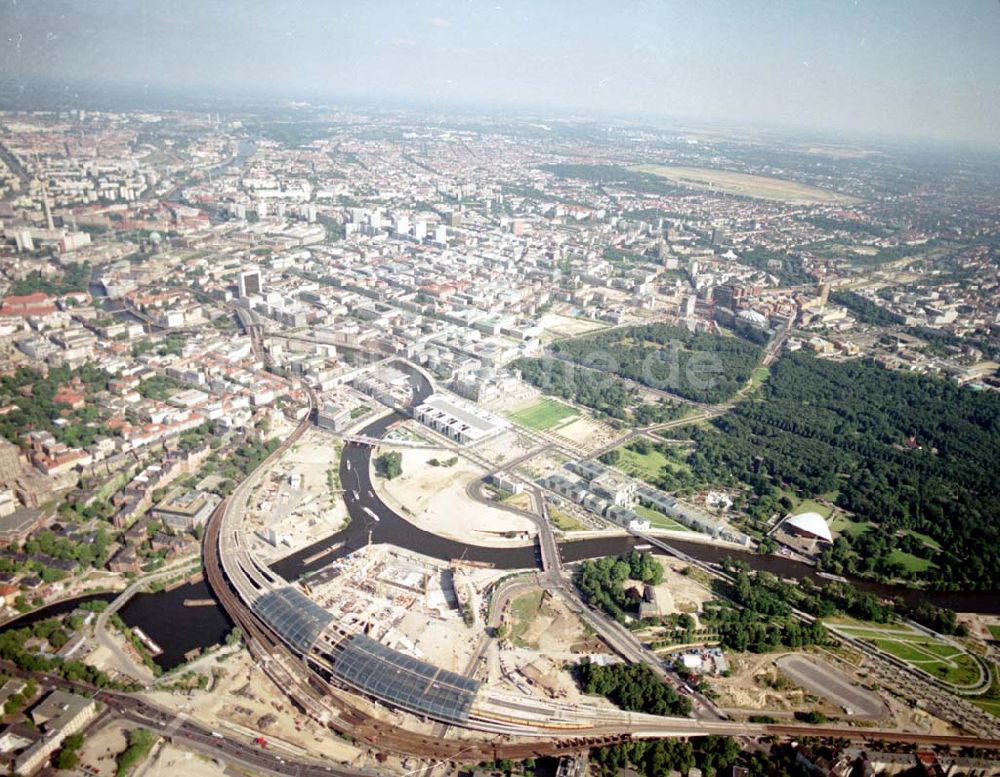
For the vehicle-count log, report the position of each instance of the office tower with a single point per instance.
(251, 283)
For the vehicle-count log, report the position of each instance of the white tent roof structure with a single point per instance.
(812, 523)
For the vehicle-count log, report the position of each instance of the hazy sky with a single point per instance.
(910, 67)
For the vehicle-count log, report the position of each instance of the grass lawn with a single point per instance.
(844, 525)
(940, 659)
(658, 520)
(644, 466)
(522, 611)
(911, 562)
(812, 506)
(563, 521)
(991, 706)
(758, 376)
(543, 414)
(995, 632)
(861, 629)
(930, 542)
(760, 186)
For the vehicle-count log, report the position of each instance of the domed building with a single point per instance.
(753, 318)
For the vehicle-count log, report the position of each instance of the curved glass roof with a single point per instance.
(293, 615)
(404, 681)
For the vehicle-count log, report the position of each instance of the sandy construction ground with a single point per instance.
(756, 684)
(100, 748)
(587, 433)
(680, 593)
(555, 631)
(434, 498)
(245, 703)
(171, 761)
(295, 498)
(818, 676)
(506, 447)
(556, 325)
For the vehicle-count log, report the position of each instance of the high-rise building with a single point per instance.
(824, 293)
(420, 230)
(251, 283)
(441, 234)
(402, 226)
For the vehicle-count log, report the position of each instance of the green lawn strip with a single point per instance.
(930, 542)
(989, 705)
(943, 651)
(812, 506)
(841, 524)
(758, 376)
(911, 562)
(544, 414)
(953, 667)
(658, 520)
(994, 632)
(866, 632)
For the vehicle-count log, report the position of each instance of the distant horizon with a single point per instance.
(918, 70)
(120, 97)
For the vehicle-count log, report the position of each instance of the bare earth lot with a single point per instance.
(434, 499)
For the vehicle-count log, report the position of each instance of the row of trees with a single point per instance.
(770, 597)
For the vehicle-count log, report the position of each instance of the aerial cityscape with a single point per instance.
(349, 435)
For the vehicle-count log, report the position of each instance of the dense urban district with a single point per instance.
(376, 444)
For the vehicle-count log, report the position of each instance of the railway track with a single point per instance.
(867, 735)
